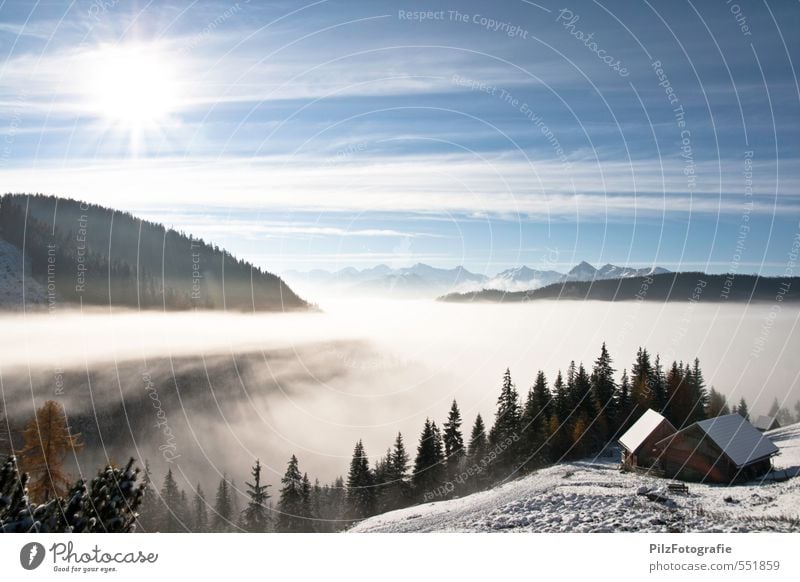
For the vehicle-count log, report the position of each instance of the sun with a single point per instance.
(134, 86)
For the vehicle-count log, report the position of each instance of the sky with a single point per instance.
(330, 134)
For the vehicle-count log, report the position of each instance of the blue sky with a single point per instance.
(328, 134)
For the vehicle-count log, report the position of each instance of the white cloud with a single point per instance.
(442, 183)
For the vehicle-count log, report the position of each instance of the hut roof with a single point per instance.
(641, 429)
(738, 439)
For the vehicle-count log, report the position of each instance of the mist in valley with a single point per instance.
(208, 393)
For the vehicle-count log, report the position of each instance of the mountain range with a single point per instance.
(423, 280)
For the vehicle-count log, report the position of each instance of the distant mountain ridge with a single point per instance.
(687, 286)
(79, 253)
(421, 280)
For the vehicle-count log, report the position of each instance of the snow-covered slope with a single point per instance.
(13, 279)
(594, 496)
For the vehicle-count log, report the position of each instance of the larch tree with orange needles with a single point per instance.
(47, 440)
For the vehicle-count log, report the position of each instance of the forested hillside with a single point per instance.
(98, 256)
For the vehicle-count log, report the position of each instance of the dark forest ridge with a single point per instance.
(689, 286)
(80, 253)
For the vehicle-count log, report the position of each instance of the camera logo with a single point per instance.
(31, 555)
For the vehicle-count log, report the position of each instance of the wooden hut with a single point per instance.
(639, 440)
(719, 450)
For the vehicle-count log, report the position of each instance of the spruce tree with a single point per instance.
(717, 404)
(361, 493)
(624, 406)
(171, 500)
(507, 429)
(558, 430)
(604, 393)
(429, 471)
(200, 518)
(534, 424)
(641, 391)
(397, 491)
(453, 441)
(743, 410)
(292, 512)
(658, 385)
(223, 510)
(697, 386)
(256, 514)
(149, 509)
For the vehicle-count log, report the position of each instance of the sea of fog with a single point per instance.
(234, 387)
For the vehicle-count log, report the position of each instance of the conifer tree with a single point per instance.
(171, 500)
(292, 513)
(47, 440)
(658, 385)
(743, 410)
(717, 404)
(256, 514)
(697, 386)
(397, 492)
(624, 406)
(453, 441)
(307, 512)
(541, 395)
(679, 398)
(478, 442)
(535, 424)
(559, 427)
(604, 393)
(641, 376)
(200, 512)
(360, 485)
(429, 471)
(149, 508)
(223, 509)
(507, 429)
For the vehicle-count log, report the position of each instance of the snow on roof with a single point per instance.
(641, 429)
(738, 439)
(764, 422)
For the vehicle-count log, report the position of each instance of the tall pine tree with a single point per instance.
(292, 512)
(453, 441)
(256, 514)
(361, 492)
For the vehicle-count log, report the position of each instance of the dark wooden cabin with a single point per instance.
(724, 449)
